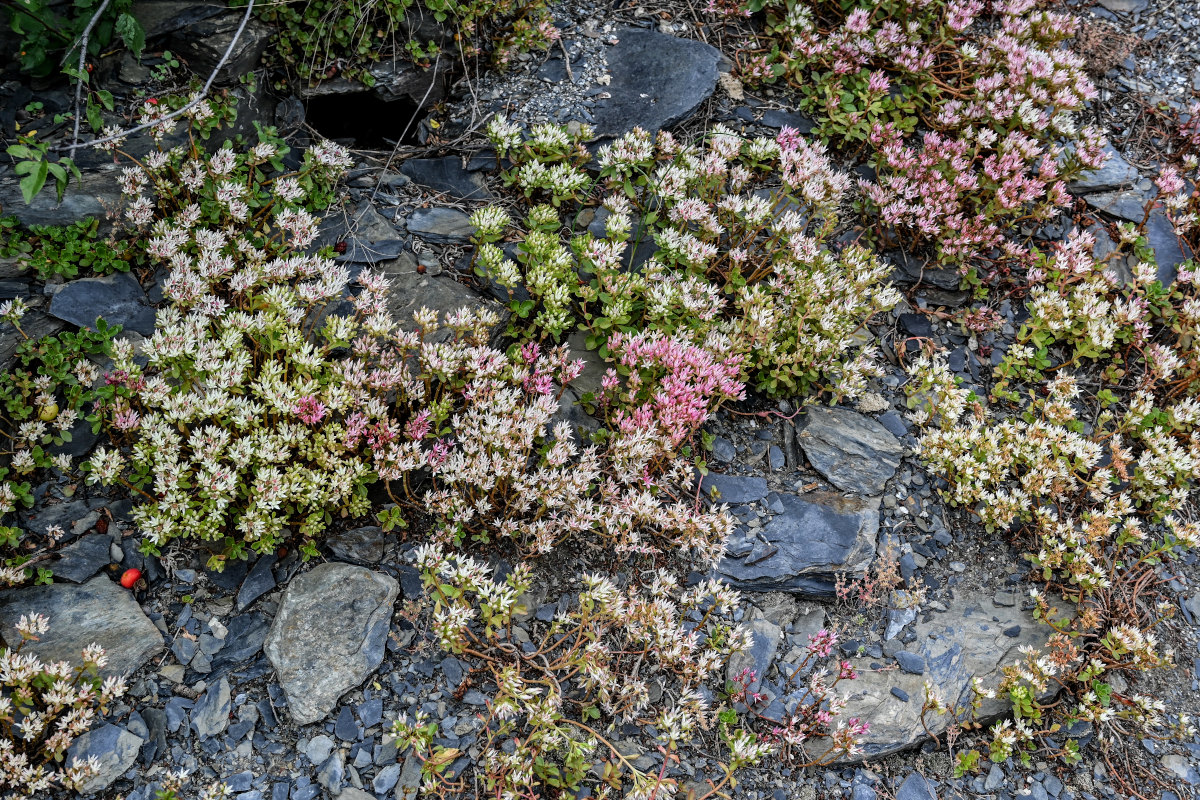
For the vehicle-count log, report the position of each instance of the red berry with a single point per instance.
(340, 248)
(130, 577)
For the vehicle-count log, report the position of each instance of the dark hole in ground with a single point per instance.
(372, 123)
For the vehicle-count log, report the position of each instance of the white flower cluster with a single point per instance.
(44, 707)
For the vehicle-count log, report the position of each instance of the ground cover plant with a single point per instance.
(321, 39)
(727, 241)
(44, 707)
(967, 114)
(53, 385)
(1088, 453)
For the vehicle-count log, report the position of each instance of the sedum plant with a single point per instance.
(43, 709)
(52, 386)
(1095, 477)
(968, 111)
(723, 242)
(605, 668)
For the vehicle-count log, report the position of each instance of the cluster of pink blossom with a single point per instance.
(994, 101)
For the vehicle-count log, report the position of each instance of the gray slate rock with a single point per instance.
(767, 636)
(733, 489)
(852, 451)
(210, 716)
(81, 560)
(1169, 252)
(91, 196)
(317, 664)
(657, 81)
(258, 582)
(118, 298)
(1127, 204)
(116, 749)
(98, 611)
(204, 42)
(1117, 173)
(366, 546)
(816, 537)
(962, 643)
(441, 225)
(446, 175)
(409, 784)
(916, 787)
(371, 251)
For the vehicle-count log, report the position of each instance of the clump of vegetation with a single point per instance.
(53, 385)
(724, 242)
(323, 39)
(1093, 477)
(968, 118)
(66, 250)
(48, 36)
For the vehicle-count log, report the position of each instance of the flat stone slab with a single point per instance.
(441, 225)
(115, 748)
(852, 451)
(733, 489)
(803, 549)
(657, 81)
(98, 611)
(329, 635)
(1116, 173)
(974, 638)
(118, 298)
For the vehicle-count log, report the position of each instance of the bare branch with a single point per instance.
(83, 47)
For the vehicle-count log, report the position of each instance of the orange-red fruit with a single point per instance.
(130, 578)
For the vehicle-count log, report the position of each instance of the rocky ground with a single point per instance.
(231, 678)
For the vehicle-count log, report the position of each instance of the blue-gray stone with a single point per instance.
(366, 546)
(916, 787)
(386, 779)
(767, 636)
(98, 611)
(447, 176)
(1116, 173)
(332, 773)
(81, 560)
(815, 538)
(118, 298)
(370, 712)
(852, 451)
(899, 694)
(995, 779)
(258, 582)
(441, 225)
(733, 489)
(247, 632)
(345, 727)
(280, 790)
(861, 791)
(184, 649)
(306, 792)
(239, 782)
(453, 670)
(176, 709)
(210, 716)
(656, 81)
(116, 749)
(316, 664)
(910, 662)
(723, 450)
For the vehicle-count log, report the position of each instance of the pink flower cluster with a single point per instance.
(672, 386)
